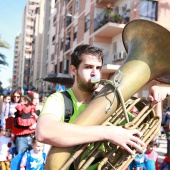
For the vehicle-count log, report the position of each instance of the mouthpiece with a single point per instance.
(95, 80)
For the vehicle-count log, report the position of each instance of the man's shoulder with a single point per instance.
(55, 96)
(54, 99)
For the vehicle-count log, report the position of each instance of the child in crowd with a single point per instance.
(152, 157)
(35, 158)
(5, 109)
(9, 122)
(26, 112)
(138, 163)
(5, 145)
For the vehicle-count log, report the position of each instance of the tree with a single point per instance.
(2, 56)
(10, 82)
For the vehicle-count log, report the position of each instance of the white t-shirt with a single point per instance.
(34, 156)
(4, 149)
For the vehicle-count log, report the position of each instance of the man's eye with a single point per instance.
(88, 67)
(99, 68)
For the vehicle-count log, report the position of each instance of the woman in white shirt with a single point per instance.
(15, 100)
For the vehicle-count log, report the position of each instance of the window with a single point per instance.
(87, 23)
(67, 43)
(75, 32)
(77, 5)
(66, 66)
(61, 66)
(61, 45)
(55, 68)
(114, 51)
(148, 10)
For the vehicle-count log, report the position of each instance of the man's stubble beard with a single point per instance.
(86, 86)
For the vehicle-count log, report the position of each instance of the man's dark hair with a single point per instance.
(76, 56)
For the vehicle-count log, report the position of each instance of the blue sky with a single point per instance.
(11, 12)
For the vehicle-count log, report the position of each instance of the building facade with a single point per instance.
(58, 26)
(17, 62)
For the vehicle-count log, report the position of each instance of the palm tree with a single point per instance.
(3, 57)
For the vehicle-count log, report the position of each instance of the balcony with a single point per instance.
(15, 64)
(29, 31)
(109, 30)
(28, 56)
(36, 1)
(108, 27)
(29, 40)
(28, 48)
(31, 24)
(31, 15)
(119, 57)
(33, 7)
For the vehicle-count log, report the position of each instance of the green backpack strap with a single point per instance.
(69, 109)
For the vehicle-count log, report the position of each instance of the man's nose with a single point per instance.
(94, 71)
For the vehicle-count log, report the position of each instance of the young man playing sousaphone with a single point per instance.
(86, 64)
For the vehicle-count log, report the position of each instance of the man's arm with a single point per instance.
(158, 93)
(60, 134)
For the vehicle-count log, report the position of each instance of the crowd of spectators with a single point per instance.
(18, 145)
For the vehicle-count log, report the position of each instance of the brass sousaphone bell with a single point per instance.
(147, 59)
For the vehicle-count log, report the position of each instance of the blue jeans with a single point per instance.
(23, 143)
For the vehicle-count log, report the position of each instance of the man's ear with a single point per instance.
(73, 70)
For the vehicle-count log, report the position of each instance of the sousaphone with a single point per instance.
(147, 47)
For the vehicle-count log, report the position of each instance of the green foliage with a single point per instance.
(4, 44)
(2, 56)
(3, 60)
